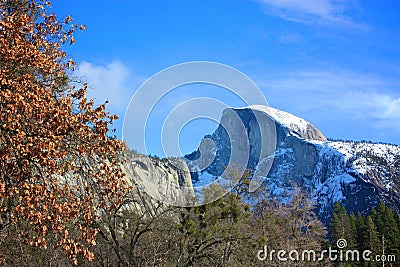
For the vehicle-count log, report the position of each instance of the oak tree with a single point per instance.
(59, 170)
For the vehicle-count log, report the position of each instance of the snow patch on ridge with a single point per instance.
(297, 126)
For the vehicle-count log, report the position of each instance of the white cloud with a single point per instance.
(392, 108)
(368, 97)
(322, 8)
(384, 109)
(108, 82)
(313, 11)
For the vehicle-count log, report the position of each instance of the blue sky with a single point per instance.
(335, 63)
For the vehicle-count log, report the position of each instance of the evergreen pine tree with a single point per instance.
(336, 230)
(389, 229)
(340, 225)
(352, 235)
(371, 239)
(361, 229)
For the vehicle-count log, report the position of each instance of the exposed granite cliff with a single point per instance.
(358, 175)
(166, 180)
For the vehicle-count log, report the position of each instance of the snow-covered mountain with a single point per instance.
(357, 174)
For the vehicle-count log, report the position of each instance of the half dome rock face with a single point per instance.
(268, 132)
(356, 174)
(295, 125)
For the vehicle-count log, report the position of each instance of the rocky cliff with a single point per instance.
(165, 180)
(357, 174)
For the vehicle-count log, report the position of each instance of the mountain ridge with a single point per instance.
(358, 175)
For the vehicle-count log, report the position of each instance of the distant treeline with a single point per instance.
(359, 141)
